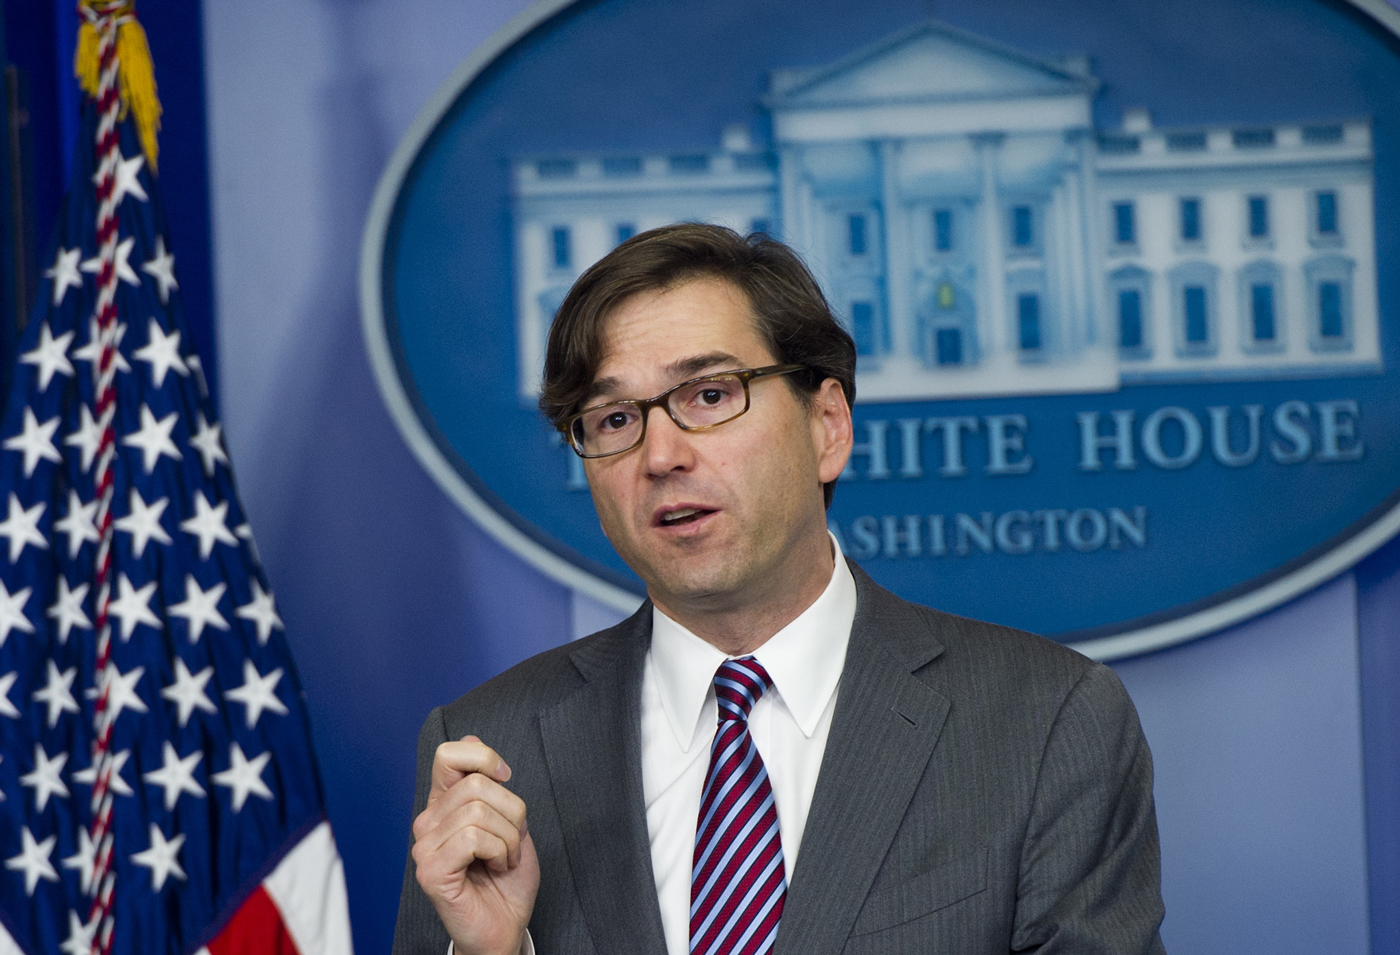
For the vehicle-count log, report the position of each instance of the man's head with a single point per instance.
(703, 514)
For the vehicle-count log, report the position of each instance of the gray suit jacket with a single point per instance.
(983, 791)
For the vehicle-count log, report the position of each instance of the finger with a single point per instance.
(466, 847)
(475, 787)
(472, 844)
(455, 759)
(479, 815)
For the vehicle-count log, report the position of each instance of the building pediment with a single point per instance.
(930, 63)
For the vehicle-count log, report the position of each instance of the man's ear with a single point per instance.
(832, 431)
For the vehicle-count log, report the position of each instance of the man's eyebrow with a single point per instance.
(683, 368)
(678, 370)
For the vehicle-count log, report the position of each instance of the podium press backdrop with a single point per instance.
(1275, 740)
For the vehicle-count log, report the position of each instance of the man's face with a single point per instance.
(714, 519)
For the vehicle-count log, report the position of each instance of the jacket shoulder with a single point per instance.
(547, 677)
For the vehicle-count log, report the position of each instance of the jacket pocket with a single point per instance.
(928, 892)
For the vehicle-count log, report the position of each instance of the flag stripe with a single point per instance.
(255, 927)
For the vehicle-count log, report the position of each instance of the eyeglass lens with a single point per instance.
(697, 404)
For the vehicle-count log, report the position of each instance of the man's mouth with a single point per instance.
(682, 515)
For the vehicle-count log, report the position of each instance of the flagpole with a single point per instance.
(105, 19)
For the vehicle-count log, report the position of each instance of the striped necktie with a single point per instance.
(737, 884)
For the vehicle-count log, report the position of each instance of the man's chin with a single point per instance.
(708, 588)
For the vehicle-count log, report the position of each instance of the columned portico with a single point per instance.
(898, 264)
(992, 326)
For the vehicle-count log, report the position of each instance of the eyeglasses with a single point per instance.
(694, 405)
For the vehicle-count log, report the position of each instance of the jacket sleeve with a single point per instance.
(1090, 870)
(419, 931)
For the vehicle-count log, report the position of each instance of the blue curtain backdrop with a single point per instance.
(1277, 743)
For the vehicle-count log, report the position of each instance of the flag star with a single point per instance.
(123, 263)
(153, 438)
(187, 692)
(176, 775)
(198, 368)
(162, 353)
(83, 860)
(12, 615)
(50, 356)
(208, 441)
(58, 693)
(244, 777)
(88, 777)
(162, 268)
(126, 178)
(45, 777)
(33, 860)
(143, 522)
(35, 441)
(89, 434)
(68, 610)
(257, 693)
(162, 857)
(80, 524)
(6, 707)
(262, 610)
(80, 935)
(92, 351)
(21, 526)
(245, 531)
(121, 691)
(200, 607)
(64, 273)
(133, 606)
(209, 524)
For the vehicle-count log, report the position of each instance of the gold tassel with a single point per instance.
(135, 75)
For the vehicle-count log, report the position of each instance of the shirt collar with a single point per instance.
(805, 658)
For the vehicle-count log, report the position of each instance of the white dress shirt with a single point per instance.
(789, 726)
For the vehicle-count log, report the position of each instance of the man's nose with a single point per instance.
(667, 446)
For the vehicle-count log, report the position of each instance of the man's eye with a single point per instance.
(712, 396)
(615, 421)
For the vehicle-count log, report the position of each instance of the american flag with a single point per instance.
(158, 791)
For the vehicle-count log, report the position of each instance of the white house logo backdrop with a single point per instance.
(1122, 278)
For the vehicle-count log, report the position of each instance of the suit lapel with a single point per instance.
(882, 735)
(592, 745)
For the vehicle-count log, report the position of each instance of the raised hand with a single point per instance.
(473, 851)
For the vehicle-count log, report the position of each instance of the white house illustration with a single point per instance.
(978, 235)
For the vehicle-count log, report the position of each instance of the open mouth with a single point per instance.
(682, 515)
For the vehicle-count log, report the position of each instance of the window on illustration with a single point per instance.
(1258, 217)
(1028, 321)
(1326, 213)
(943, 230)
(1190, 220)
(1124, 226)
(1197, 327)
(1329, 310)
(1022, 231)
(948, 344)
(863, 327)
(1261, 310)
(856, 240)
(561, 247)
(1129, 318)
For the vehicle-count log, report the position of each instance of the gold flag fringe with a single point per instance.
(136, 76)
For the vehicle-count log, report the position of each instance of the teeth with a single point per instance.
(677, 515)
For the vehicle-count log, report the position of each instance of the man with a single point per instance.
(773, 753)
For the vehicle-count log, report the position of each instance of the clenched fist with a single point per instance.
(473, 851)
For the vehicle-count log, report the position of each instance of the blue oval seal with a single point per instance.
(1123, 279)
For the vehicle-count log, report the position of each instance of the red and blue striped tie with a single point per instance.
(737, 884)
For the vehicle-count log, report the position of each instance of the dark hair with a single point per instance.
(790, 312)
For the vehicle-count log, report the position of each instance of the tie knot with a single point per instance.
(738, 685)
